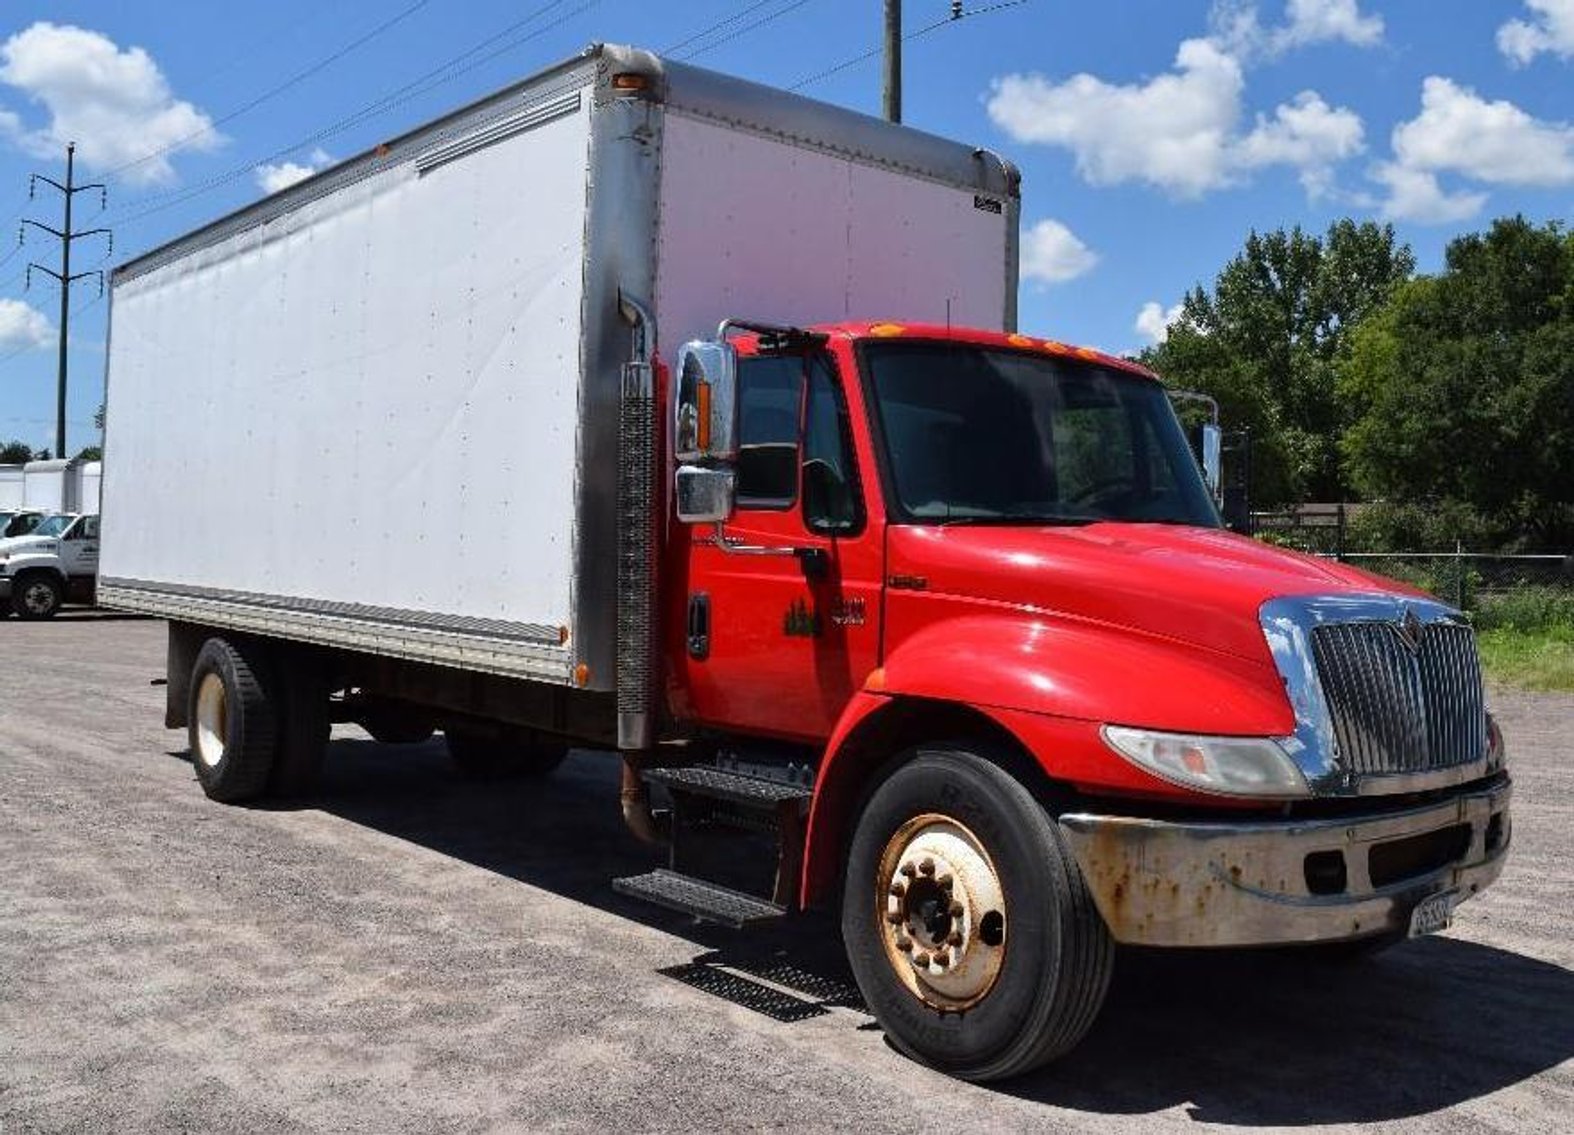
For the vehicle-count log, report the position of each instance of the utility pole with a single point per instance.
(65, 236)
(893, 60)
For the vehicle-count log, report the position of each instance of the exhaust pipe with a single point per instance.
(635, 798)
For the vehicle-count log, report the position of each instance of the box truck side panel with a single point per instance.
(754, 226)
(367, 407)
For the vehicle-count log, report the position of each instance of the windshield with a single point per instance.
(52, 526)
(979, 435)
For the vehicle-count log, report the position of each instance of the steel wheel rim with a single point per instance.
(38, 598)
(212, 719)
(942, 912)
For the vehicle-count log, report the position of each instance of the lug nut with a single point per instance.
(920, 958)
(955, 939)
(945, 880)
(894, 917)
(942, 960)
(909, 870)
(956, 910)
(927, 866)
(904, 943)
(898, 889)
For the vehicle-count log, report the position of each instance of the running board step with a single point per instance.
(704, 900)
(718, 784)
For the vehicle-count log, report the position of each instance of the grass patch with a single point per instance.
(1541, 659)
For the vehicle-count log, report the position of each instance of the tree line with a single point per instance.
(1449, 398)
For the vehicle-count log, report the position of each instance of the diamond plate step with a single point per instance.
(749, 791)
(693, 896)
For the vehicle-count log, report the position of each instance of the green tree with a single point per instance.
(1463, 386)
(15, 453)
(90, 453)
(1266, 339)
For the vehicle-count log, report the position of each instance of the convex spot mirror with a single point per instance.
(705, 404)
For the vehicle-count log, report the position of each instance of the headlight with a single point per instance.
(1235, 766)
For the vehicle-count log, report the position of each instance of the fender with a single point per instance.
(32, 561)
(1047, 684)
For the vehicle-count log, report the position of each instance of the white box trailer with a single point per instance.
(12, 491)
(392, 409)
(56, 485)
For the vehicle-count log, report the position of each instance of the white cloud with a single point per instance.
(1153, 321)
(1238, 29)
(1416, 195)
(1490, 141)
(1551, 29)
(1052, 254)
(1328, 21)
(23, 326)
(1177, 131)
(273, 178)
(1460, 133)
(115, 104)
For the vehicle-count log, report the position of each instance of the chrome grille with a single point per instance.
(1401, 710)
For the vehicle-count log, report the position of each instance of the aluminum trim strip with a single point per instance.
(492, 646)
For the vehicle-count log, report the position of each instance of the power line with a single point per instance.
(953, 17)
(422, 84)
(746, 29)
(272, 92)
(717, 26)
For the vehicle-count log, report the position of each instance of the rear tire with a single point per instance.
(968, 925)
(502, 752)
(232, 724)
(37, 595)
(303, 733)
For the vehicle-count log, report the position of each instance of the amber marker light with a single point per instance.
(582, 675)
(876, 679)
(702, 401)
(562, 636)
(887, 330)
(630, 81)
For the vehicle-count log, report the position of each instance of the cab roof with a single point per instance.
(999, 339)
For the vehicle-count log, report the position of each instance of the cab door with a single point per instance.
(79, 548)
(783, 625)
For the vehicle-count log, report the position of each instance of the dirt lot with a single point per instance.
(416, 953)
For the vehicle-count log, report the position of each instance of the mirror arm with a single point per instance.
(814, 560)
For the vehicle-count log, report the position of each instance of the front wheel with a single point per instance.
(968, 925)
(37, 595)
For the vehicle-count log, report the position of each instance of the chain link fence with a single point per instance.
(1468, 580)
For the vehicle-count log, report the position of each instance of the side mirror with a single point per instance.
(705, 431)
(1212, 462)
(705, 404)
(704, 496)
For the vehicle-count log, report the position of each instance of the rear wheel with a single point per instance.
(303, 732)
(968, 926)
(37, 595)
(232, 725)
(494, 753)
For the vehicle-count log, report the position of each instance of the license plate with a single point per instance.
(1434, 913)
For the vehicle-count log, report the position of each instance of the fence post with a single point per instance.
(1339, 534)
(1459, 574)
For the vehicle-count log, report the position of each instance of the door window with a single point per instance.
(831, 503)
(769, 392)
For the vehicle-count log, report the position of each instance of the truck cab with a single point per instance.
(980, 579)
(55, 563)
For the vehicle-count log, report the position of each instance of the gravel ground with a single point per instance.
(413, 953)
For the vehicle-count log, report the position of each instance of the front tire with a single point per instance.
(968, 925)
(231, 724)
(37, 595)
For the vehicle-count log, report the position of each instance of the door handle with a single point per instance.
(698, 636)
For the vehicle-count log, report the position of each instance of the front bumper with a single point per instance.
(1278, 882)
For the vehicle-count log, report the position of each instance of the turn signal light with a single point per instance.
(630, 81)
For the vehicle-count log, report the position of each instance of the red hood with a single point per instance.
(1197, 585)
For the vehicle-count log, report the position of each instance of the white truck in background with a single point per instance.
(54, 564)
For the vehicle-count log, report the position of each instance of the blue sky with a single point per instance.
(1152, 135)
